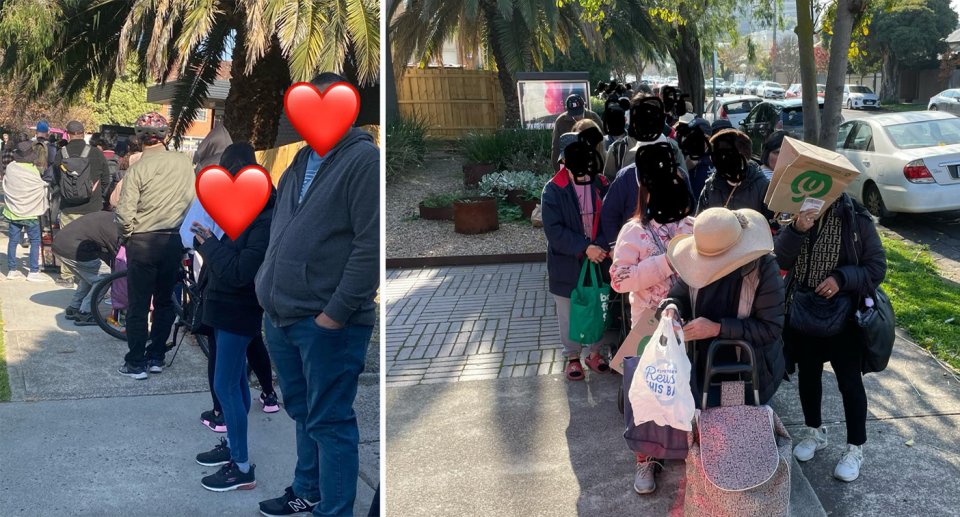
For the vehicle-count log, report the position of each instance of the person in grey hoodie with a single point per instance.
(211, 148)
(317, 286)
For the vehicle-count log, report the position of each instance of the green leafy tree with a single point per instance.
(579, 59)
(127, 102)
(273, 43)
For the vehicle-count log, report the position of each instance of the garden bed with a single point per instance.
(409, 237)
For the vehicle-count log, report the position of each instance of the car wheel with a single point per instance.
(849, 104)
(874, 203)
(933, 108)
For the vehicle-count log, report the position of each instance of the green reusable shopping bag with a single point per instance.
(588, 306)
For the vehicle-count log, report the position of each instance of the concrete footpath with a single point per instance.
(470, 432)
(80, 439)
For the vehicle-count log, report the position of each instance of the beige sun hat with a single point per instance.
(723, 241)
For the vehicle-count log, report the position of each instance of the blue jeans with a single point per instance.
(33, 231)
(318, 370)
(230, 384)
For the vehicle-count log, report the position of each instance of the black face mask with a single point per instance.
(670, 198)
(731, 165)
(614, 121)
(582, 159)
(693, 142)
(674, 101)
(647, 119)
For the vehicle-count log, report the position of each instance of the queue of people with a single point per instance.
(686, 245)
(309, 289)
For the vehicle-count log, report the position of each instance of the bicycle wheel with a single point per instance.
(109, 294)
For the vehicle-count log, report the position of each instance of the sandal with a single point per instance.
(575, 370)
(598, 364)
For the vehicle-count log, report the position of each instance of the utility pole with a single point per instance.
(776, 22)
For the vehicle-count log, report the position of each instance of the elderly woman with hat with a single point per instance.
(571, 223)
(727, 249)
(833, 260)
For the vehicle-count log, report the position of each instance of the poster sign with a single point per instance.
(542, 95)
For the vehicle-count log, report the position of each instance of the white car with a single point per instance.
(908, 162)
(734, 109)
(771, 90)
(858, 96)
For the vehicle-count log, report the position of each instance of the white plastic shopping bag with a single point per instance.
(660, 391)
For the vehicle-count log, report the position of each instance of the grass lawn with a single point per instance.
(4, 376)
(922, 300)
(905, 107)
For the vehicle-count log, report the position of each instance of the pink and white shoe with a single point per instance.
(269, 402)
(213, 421)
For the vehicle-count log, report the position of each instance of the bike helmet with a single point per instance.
(151, 128)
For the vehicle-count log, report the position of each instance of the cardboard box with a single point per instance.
(807, 177)
(636, 340)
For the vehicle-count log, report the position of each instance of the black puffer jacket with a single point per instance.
(749, 194)
(862, 264)
(719, 302)
(229, 269)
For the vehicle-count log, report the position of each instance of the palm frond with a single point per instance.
(334, 32)
(191, 92)
(197, 24)
(363, 25)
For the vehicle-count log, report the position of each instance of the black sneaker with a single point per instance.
(155, 366)
(214, 421)
(230, 478)
(220, 455)
(287, 504)
(134, 372)
(269, 402)
(84, 319)
(71, 313)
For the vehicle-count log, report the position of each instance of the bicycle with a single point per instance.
(113, 320)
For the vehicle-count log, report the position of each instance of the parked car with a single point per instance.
(859, 96)
(947, 100)
(795, 91)
(751, 87)
(737, 87)
(770, 90)
(733, 109)
(769, 116)
(908, 162)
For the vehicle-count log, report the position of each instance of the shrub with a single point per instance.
(497, 184)
(511, 149)
(441, 200)
(406, 143)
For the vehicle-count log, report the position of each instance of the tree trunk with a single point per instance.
(689, 69)
(254, 106)
(848, 13)
(507, 84)
(808, 72)
(393, 103)
(890, 83)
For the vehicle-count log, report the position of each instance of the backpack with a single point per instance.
(75, 184)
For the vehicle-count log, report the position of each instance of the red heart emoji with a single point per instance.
(322, 118)
(233, 202)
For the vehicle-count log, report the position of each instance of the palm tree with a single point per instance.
(520, 35)
(271, 43)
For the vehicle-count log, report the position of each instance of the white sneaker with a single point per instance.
(849, 467)
(36, 277)
(14, 275)
(809, 446)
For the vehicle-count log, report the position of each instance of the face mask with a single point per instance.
(647, 119)
(731, 165)
(670, 199)
(582, 159)
(693, 142)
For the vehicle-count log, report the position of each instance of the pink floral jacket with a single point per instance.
(640, 265)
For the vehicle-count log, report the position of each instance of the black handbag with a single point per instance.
(877, 333)
(814, 315)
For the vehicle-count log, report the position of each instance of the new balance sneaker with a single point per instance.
(84, 319)
(214, 421)
(220, 455)
(64, 282)
(287, 504)
(849, 467)
(229, 477)
(809, 446)
(36, 277)
(14, 275)
(155, 365)
(269, 402)
(646, 480)
(134, 372)
(71, 313)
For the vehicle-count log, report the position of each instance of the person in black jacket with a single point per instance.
(837, 256)
(728, 248)
(231, 308)
(80, 248)
(738, 182)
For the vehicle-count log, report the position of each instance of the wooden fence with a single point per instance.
(453, 101)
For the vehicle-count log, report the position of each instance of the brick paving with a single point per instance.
(463, 323)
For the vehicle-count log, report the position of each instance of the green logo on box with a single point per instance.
(810, 184)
